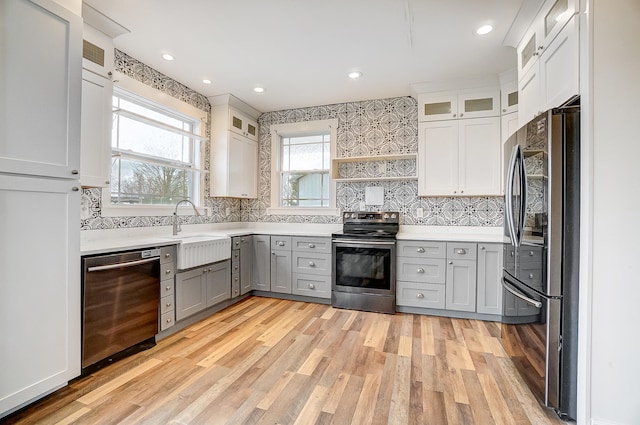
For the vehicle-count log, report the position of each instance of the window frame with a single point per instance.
(150, 94)
(306, 128)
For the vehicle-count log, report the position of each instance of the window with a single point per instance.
(301, 168)
(155, 153)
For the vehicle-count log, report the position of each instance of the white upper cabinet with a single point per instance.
(548, 59)
(234, 150)
(447, 106)
(509, 97)
(40, 91)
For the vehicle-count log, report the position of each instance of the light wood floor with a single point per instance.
(269, 361)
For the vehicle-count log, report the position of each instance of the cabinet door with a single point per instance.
(527, 50)
(530, 100)
(191, 287)
(438, 158)
(95, 152)
(39, 287)
(243, 125)
(261, 274)
(510, 125)
(559, 67)
(218, 283)
(509, 98)
(480, 159)
(461, 285)
(40, 89)
(489, 294)
(478, 105)
(438, 107)
(242, 167)
(281, 271)
(553, 19)
(246, 263)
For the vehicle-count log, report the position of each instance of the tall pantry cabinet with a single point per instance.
(40, 98)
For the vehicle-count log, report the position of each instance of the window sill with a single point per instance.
(147, 210)
(302, 211)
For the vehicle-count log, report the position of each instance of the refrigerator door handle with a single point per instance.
(509, 196)
(523, 195)
(518, 294)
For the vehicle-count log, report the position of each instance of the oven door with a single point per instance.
(364, 266)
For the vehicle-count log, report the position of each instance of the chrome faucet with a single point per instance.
(176, 226)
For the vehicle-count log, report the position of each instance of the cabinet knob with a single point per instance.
(167, 288)
(168, 271)
(204, 270)
(420, 270)
(280, 243)
(454, 115)
(312, 264)
(461, 115)
(420, 295)
(107, 182)
(540, 47)
(235, 292)
(242, 240)
(461, 251)
(421, 249)
(167, 255)
(311, 245)
(312, 286)
(74, 171)
(462, 191)
(169, 320)
(210, 269)
(168, 304)
(237, 243)
(75, 189)
(530, 253)
(530, 275)
(273, 253)
(482, 247)
(450, 262)
(455, 191)
(504, 110)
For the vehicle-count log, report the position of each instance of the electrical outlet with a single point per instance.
(362, 206)
(227, 211)
(420, 212)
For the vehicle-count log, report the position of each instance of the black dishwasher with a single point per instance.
(120, 298)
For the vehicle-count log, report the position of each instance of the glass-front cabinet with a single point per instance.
(436, 107)
(241, 124)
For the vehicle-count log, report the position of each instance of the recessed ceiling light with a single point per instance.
(355, 74)
(206, 81)
(167, 57)
(258, 89)
(485, 29)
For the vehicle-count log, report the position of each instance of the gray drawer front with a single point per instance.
(236, 241)
(235, 266)
(167, 271)
(422, 249)
(167, 320)
(167, 304)
(530, 254)
(168, 254)
(310, 263)
(311, 244)
(281, 243)
(235, 255)
(461, 250)
(427, 270)
(311, 285)
(235, 285)
(423, 295)
(532, 276)
(167, 287)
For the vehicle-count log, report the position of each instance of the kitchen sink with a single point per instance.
(196, 250)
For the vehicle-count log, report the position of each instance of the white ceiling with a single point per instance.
(302, 50)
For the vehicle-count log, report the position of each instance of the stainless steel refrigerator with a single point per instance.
(541, 255)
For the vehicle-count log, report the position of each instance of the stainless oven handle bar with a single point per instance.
(357, 242)
(536, 304)
(122, 265)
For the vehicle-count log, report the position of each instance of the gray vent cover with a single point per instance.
(92, 53)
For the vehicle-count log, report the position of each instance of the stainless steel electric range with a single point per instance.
(364, 262)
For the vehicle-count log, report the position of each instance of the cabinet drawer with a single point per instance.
(236, 241)
(424, 295)
(422, 249)
(509, 254)
(235, 266)
(167, 304)
(427, 270)
(167, 320)
(532, 276)
(235, 285)
(281, 242)
(168, 254)
(312, 285)
(530, 254)
(462, 251)
(167, 271)
(235, 255)
(167, 287)
(311, 244)
(310, 263)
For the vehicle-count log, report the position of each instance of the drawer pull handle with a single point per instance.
(421, 249)
(167, 288)
(530, 275)
(168, 305)
(168, 271)
(311, 245)
(461, 251)
(280, 243)
(167, 255)
(169, 320)
(312, 264)
(312, 286)
(420, 295)
(530, 253)
(420, 270)
(450, 262)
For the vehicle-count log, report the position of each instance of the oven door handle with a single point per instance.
(358, 242)
(122, 265)
(507, 286)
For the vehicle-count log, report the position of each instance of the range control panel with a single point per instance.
(370, 217)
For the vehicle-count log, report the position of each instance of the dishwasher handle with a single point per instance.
(122, 265)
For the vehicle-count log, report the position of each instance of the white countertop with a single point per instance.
(112, 240)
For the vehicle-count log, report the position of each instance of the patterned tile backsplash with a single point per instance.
(365, 128)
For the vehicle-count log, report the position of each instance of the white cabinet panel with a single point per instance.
(39, 305)
(243, 158)
(559, 67)
(438, 158)
(479, 157)
(95, 154)
(40, 91)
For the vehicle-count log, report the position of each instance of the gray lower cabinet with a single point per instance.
(167, 287)
(261, 272)
(311, 285)
(242, 255)
(530, 259)
(202, 287)
(461, 277)
(489, 293)
(281, 264)
(311, 266)
(421, 274)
